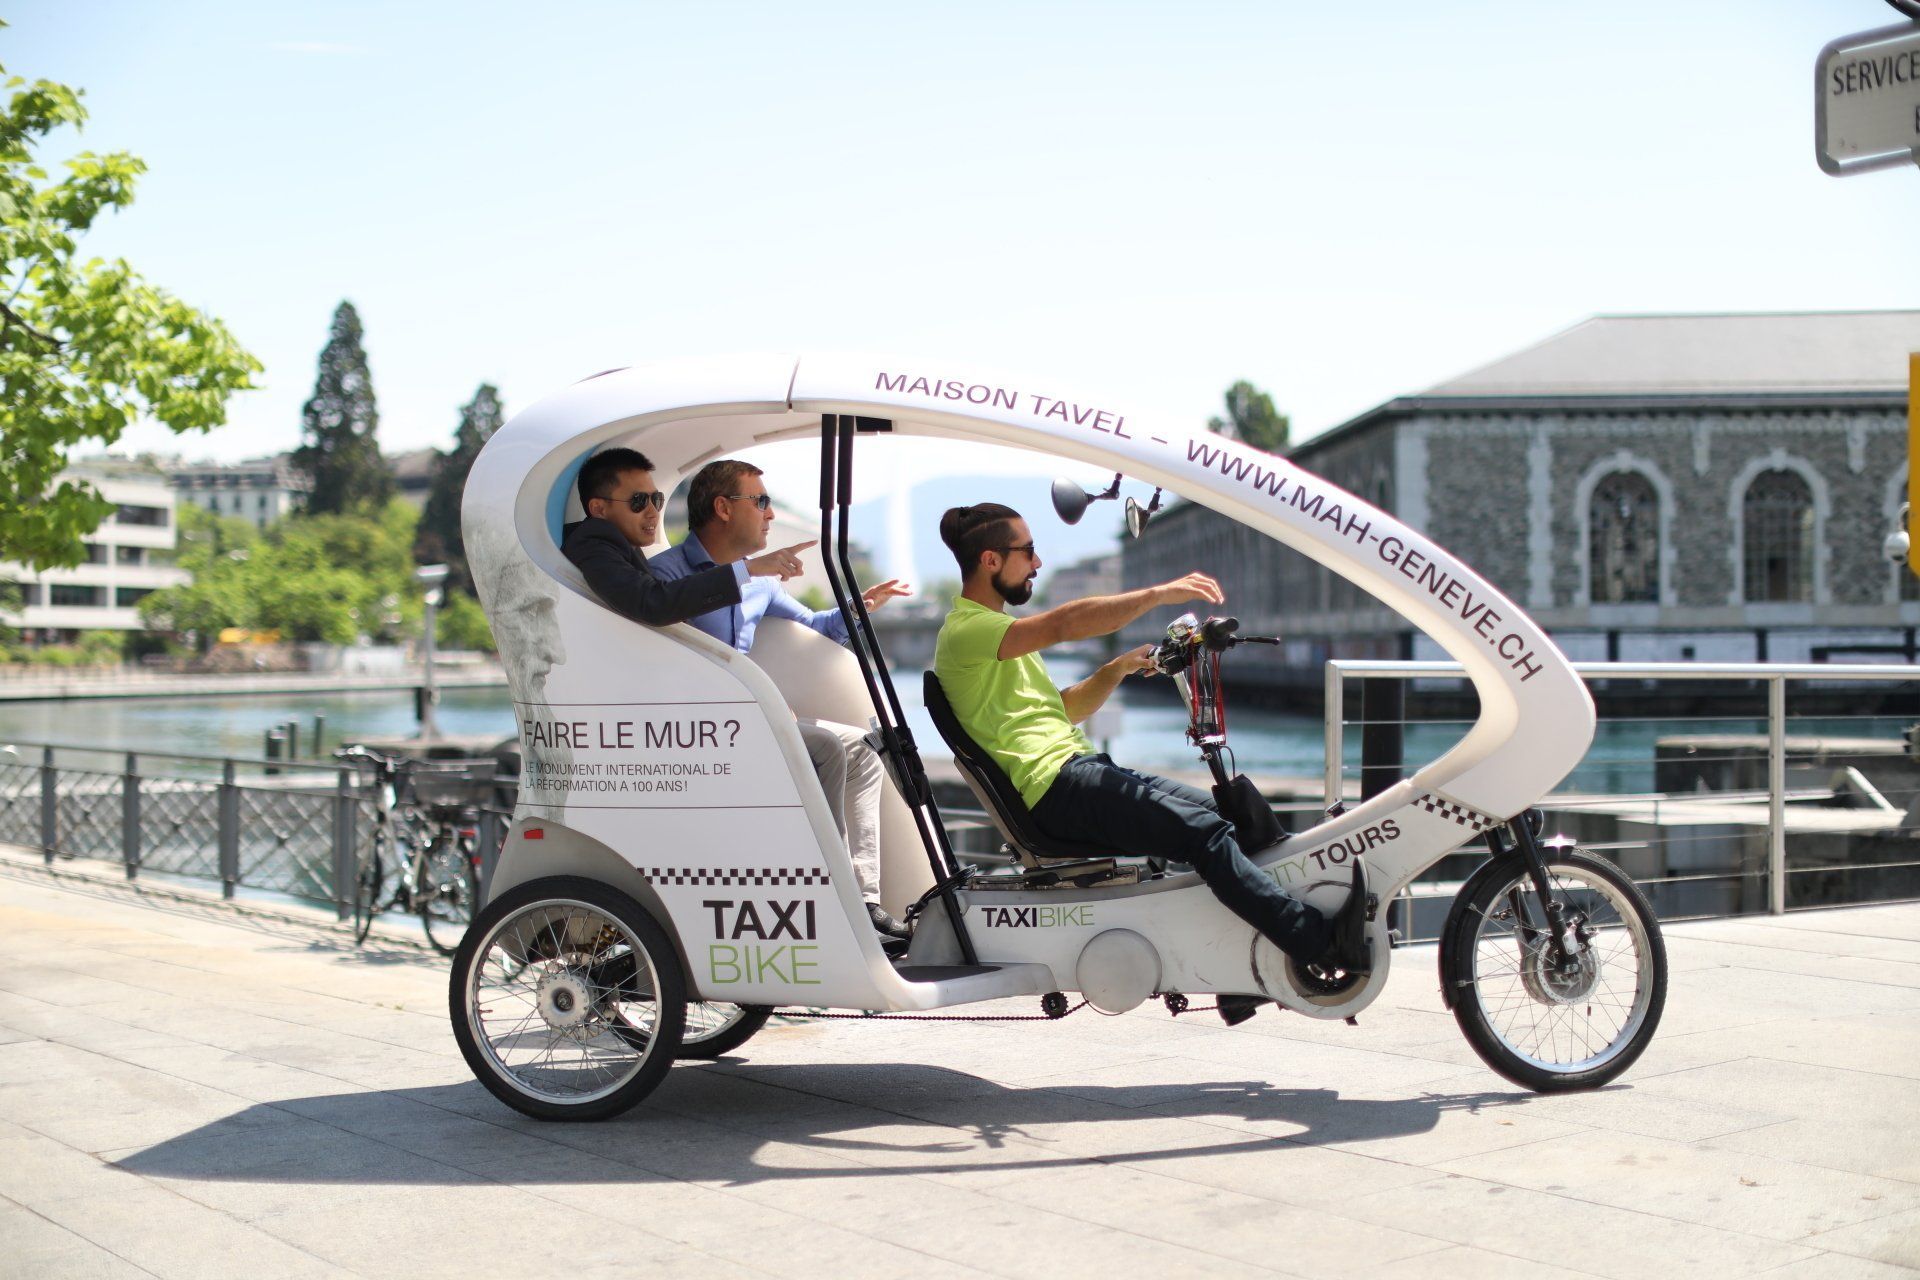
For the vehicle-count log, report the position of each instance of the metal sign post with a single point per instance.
(1866, 101)
(1913, 462)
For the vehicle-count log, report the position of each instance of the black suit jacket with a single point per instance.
(617, 571)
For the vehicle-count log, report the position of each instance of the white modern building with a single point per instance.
(258, 490)
(129, 556)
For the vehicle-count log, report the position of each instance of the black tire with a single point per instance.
(446, 899)
(715, 1029)
(567, 961)
(366, 892)
(1497, 964)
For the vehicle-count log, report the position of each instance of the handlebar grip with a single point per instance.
(1215, 633)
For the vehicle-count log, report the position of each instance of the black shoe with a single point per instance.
(885, 925)
(1348, 951)
(1235, 1010)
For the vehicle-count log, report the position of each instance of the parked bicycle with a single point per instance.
(424, 857)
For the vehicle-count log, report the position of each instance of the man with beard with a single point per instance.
(988, 662)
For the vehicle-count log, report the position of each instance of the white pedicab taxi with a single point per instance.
(672, 873)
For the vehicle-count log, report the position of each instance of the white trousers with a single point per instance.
(850, 775)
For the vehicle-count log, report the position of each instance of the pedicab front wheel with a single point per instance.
(567, 999)
(1546, 1023)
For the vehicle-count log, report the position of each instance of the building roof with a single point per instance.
(1758, 353)
(277, 468)
(414, 468)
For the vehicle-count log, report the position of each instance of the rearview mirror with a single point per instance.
(1070, 501)
(1137, 515)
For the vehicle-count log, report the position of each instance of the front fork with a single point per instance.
(1561, 928)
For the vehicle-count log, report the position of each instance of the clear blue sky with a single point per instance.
(1341, 203)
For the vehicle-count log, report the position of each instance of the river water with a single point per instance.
(1267, 743)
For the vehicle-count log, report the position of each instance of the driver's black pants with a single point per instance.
(1095, 801)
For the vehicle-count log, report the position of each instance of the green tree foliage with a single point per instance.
(310, 577)
(438, 541)
(86, 347)
(338, 451)
(462, 624)
(1252, 419)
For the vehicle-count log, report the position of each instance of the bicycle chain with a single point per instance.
(939, 1017)
(1176, 1005)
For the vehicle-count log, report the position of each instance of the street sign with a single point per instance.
(1866, 100)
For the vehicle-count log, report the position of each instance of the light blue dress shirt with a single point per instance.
(759, 598)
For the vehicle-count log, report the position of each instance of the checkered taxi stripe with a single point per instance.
(729, 876)
(1471, 819)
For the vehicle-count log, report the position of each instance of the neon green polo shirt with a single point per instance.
(1011, 708)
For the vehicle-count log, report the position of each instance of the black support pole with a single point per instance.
(836, 491)
(229, 830)
(130, 816)
(49, 803)
(1383, 715)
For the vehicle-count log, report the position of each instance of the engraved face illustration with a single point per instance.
(521, 603)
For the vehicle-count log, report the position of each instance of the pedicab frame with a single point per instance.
(667, 765)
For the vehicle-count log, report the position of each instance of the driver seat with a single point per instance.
(996, 792)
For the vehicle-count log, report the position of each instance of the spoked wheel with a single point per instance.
(1542, 1023)
(446, 895)
(366, 892)
(715, 1029)
(567, 999)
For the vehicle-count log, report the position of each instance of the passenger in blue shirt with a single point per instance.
(730, 513)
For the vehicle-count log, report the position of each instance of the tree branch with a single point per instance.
(8, 315)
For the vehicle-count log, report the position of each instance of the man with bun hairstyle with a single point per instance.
(988, 662)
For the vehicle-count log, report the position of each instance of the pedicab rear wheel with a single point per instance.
(567, 999)
(715, 1028)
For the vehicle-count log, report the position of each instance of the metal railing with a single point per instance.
(1775, 678)
(283, 826)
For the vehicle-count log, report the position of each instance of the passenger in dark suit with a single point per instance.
(623, 515)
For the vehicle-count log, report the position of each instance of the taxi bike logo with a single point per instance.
(1037, 917)
(751, 946)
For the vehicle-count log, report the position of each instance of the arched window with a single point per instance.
(1778, 553)
(1623, 540)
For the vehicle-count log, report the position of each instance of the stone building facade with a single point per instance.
(1649, 488)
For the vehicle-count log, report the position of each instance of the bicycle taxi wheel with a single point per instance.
(567, 1000)
(715, 1028)
(1540, 1025)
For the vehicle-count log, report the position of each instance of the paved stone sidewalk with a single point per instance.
(185, 1092)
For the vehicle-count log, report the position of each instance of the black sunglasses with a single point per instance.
(760, 501)
(639, 502)
(1027, 547)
